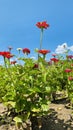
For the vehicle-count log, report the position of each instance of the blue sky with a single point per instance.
(18, 19)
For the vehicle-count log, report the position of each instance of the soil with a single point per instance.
(60, 117)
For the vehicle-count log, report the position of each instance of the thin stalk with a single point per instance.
(44, 56)
(8, 72)
(41, 38)
(19, 56)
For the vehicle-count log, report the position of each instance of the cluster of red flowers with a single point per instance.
(42, 25)
(43, 51)
(6, 54)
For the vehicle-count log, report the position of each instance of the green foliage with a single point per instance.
(27, 90)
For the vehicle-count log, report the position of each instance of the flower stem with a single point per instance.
(44, 56)
(41, 38)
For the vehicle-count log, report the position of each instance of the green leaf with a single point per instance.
(17, 119)
(44, 77)
(48, 89)
(35, 89)
(45, 107)
(35, 110)
(12, 103)
(26, 116)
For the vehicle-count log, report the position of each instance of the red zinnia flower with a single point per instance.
(54, 55)
(9, 56)
(70, 56)
(42, 25)
(43, 51)
(10, 48)
(50, 63)
(70, 78)
(71, 65)
(6, 54)
(68, 70)
(13, 62)
(54, 60)
(26, 50)
(35, 66)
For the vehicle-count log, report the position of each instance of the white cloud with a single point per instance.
(70, 48)
(61, 49)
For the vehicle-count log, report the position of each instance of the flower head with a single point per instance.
(9, 56)
(68, 70)
(19, 49)
(43, 51)
(71, 65)
(10, 48)
(49, 62)
(54, 55)
(26, 51)
(35, 66)
(42, 25)
(54, 60)
(13, 62)
(70, 78)
(6, 54)
(70, 56)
